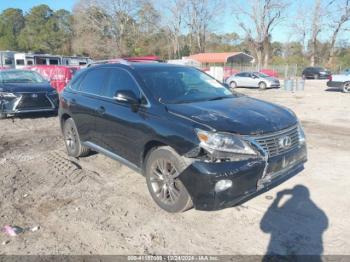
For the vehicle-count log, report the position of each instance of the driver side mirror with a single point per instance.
(254, 76)
(127, 97)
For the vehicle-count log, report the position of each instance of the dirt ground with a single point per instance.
(96, 206)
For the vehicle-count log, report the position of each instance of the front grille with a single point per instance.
(271, 142)
(33, 101)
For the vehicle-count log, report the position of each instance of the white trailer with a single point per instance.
(29, 59)
(7, 59)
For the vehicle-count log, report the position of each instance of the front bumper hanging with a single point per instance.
(249, 178)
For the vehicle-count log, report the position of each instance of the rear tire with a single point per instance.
(163, 166)
(233, 85)
(346, 87)
(72, 140)
(262, 85)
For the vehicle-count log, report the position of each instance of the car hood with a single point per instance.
(25, 87)
(242, 115)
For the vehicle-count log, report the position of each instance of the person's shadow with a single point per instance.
(296, 227)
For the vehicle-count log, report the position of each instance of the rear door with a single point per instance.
(84, 102)
(245, 79)
(120, 130)
(239, 79)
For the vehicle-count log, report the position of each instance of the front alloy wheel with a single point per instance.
(346, 87)
(262, 85)
(163, 167)
(233, 85)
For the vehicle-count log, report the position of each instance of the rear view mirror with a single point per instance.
(126, 96)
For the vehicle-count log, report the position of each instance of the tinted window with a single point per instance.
(76, 80)
(244, 74)
(20, 62)
(8, 61)
(120, 79)
(93, 81)
(53, 62)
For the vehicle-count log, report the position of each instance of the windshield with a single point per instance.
(20, 76)
(261, 75)
(173, 85)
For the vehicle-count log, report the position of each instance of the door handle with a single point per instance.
(101, 110)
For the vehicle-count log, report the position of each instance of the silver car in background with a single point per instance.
(252, 79)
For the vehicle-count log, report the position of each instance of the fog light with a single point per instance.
(223, 185)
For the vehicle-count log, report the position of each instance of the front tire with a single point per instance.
(72, 140)
(163, 166)
(233, 85)
(262, 85)
(346, 87)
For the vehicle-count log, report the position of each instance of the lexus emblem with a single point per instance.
(285, 142)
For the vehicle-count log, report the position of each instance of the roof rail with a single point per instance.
(109, 61)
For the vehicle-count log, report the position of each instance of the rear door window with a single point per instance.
(93, 81)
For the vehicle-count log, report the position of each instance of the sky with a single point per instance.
(225, 22)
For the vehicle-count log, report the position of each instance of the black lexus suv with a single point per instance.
(196, 142)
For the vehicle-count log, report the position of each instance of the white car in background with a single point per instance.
(252, 79)
(341, 81)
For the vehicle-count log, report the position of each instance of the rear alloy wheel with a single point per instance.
(346, 87)
(262, 85)
(72, 140)
(316, 76)
(303, 76)
(163, 167)
(233, 85)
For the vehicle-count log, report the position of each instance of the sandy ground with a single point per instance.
(96, 206)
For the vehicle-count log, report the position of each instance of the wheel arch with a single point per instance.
(148, 148)
(262, 81)
(64, 118)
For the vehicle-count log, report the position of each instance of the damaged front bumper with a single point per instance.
(249, 178)
(29, 102)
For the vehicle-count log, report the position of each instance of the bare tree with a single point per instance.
(338, 19)
(173, 19)
(315, 31)
(257, 19)
(199, 15)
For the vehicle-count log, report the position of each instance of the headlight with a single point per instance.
(223, 142)
(301, 134)
(7, 95)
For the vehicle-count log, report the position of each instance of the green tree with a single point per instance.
(11, 24)
(46, 31)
